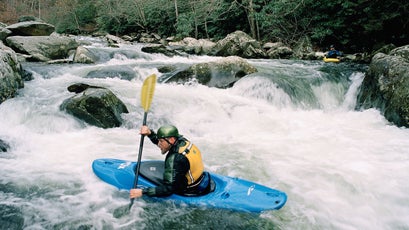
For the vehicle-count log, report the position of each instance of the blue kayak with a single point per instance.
(229, 192)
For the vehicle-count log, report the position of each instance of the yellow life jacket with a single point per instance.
(194, 156)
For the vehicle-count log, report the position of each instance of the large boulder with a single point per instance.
(277, 50)
(95, 105)
(10, 73)
(193, 46)
(43, 48)
(238, 44)
(386, 86)
(84, 55)
(31, 28)
(221, 74)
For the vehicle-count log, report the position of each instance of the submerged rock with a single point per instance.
(221, 74)
(3, 146)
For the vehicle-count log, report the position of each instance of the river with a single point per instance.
(291, 126)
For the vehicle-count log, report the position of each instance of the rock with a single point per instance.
(386, 85)
(149, 38)
(78, 87)
(31, 28)
(114, 41)
(193, 46)
(43, 48)
(4, 146)
(238, 44)
(384, 49)
(159, 48)
(95, 105)
(121, 72)
(166, 69)
(10, 73)
(282, 52)
(402, 51)
(220, 74)
(4, 33)
(84, 55)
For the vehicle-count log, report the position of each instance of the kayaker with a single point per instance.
(333, 53)
(184, 170)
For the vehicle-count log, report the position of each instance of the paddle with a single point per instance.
(148, 88)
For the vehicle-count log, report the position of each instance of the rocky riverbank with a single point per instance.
(385, 85)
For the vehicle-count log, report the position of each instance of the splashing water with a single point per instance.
(291, 126)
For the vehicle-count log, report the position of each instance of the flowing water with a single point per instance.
(291, 126)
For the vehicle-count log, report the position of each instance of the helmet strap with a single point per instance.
(169, 142)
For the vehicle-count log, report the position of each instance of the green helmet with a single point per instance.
(167, 131)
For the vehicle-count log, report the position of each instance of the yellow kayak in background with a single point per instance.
(336, 60)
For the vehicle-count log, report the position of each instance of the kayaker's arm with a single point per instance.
(149, 133)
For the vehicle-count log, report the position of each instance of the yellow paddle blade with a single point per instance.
(148, 88)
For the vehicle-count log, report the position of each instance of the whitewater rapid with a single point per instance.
(291, 127)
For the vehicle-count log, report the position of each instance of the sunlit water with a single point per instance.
(291, 126)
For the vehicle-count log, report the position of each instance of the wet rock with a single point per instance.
(386, 85)
(79, 87)
(221, 74)
(10, 73)
(4, 146)
(121, 72)
(159, 48)
(84, 55)
(95, 105)
(166, 69)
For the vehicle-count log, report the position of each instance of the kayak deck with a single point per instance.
(230, 192)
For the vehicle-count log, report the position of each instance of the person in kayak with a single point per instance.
(333, 53)
(184, 170)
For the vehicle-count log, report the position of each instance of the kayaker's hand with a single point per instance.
(145, 130)
(135, 193)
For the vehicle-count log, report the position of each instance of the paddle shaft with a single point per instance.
(138, 165)
(148, 88)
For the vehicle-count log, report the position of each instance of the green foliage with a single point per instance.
(160, 19)
(352, 25)
(184, 27)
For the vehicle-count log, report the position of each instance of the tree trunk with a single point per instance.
(251, 19)
(176, 10)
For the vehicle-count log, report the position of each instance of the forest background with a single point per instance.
(351, 25)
